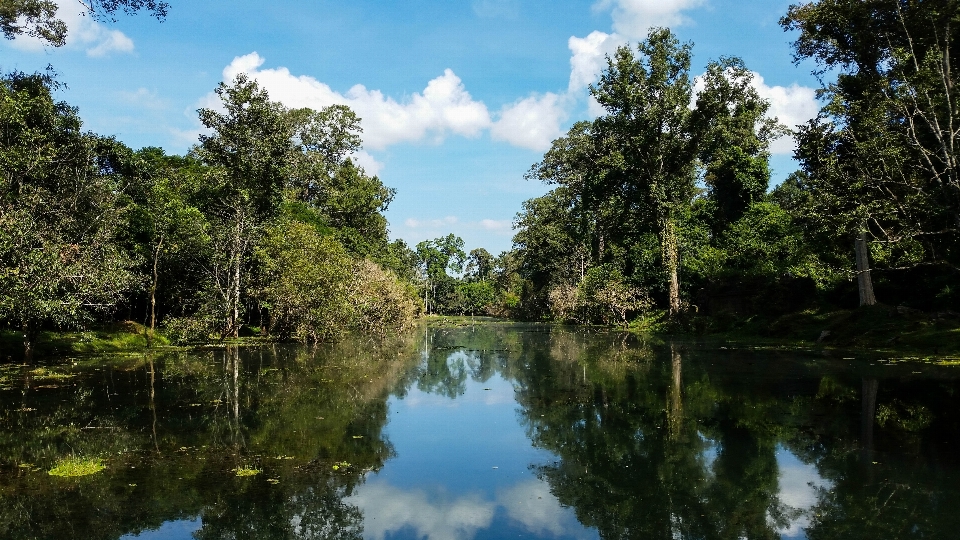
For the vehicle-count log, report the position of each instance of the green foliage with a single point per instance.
(880, 159)
(60, 206)
(315, 291)
(38, 18)
(603, 296)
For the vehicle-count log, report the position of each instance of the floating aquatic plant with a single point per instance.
(246, 471)
(76, 466)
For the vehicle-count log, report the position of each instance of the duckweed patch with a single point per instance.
(75, 466)
(246, 471)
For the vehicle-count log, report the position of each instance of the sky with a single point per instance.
(457, 99)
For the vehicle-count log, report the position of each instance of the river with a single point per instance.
(483, 431)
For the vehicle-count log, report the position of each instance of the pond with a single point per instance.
(481, 431)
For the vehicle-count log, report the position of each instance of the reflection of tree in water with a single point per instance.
(633, 431)
(173, 427)
(685, 445)
(451, 356)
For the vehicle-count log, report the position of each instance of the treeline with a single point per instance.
(266, 226)
(662, 203)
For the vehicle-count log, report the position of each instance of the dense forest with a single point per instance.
(660, 208)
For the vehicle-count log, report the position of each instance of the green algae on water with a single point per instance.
(74, 466)
(246, 471)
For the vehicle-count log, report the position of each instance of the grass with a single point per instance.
(75, 466)
(114, 337)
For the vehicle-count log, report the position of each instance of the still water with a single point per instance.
(480, 432)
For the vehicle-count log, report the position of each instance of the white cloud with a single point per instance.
(798, 485)
(444, 106)
(532, 504)
(533, 122)
(633, 18)
(589, 57)
(529, 503)
(368, 162)
(82, 32)
(792, 105)
(395, 509)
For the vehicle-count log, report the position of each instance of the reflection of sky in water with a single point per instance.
(461, 471)
(172, 530)
(798, 490)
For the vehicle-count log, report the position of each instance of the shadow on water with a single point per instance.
(645, 439)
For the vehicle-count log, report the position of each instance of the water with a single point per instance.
(477, 432)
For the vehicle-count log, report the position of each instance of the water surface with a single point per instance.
(476, 432)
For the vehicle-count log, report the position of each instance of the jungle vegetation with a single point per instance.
(659, 209)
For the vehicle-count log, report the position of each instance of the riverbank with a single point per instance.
(884, 329)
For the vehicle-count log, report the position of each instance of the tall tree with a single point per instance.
(881, 160)
(60, 206)
(650, 148)
(435, 257)
(250, 148)
(734, 132)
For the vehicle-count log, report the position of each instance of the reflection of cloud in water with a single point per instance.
(530, 504)
(798, 489)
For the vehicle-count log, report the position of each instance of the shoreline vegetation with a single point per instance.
(660, 218)
(878, 330)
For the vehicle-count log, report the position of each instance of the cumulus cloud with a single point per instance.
(588, 57)
(396, 509)
(633, 18)
(444, 106)
(82, 32)
(792, 105)
(533, 122)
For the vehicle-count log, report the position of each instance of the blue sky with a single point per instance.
(458, 99)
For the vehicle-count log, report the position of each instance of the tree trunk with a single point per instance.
(675, 407)
(671, 263)
(864, 283)
(868, 412)
(236, 298)
(153, 292)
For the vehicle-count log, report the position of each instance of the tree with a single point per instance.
(38, 18)
(881, 160)
(61, 192)
(173, 226)
(734, 135)
(650, 153)
(250, 149)
(435, 258)
(479, 265)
